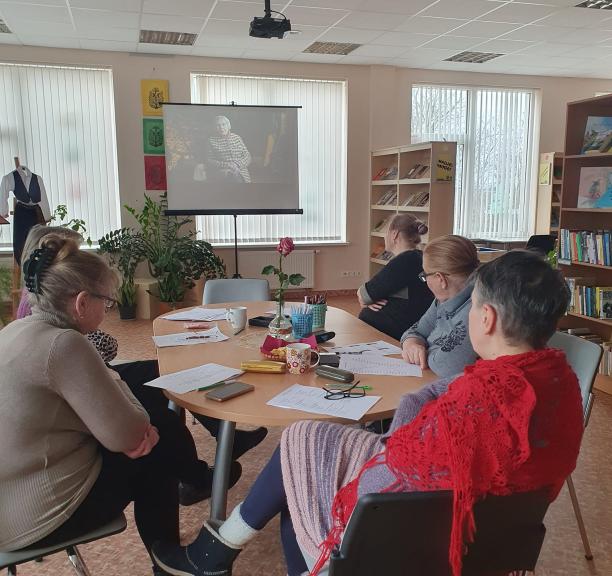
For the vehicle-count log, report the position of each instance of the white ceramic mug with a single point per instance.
(237, 318)
(299, 357)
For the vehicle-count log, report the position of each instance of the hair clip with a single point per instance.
(34, 266)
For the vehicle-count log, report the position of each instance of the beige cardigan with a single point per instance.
(58, 403)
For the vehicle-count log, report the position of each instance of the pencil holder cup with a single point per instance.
(302, 324)
(318, 316)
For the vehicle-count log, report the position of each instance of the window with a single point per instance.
(493, 129)
(60, 122)
(322, 157)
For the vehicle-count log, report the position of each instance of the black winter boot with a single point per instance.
(207, 554)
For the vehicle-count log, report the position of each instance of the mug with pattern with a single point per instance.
(300, 358)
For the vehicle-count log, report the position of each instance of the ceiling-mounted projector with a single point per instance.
(269, 27)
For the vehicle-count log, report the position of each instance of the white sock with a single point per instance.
(236, 531)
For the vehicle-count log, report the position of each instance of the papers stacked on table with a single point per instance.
(199, 314)
(310, 399)
(379, 347)
(204, 376)
(188, 338)
(375, 364)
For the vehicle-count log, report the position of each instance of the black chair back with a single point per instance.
(408, 534)
(543, 243)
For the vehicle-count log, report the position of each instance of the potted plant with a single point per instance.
(176, 259)
(125, 252)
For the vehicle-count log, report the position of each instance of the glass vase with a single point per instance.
(280, 326)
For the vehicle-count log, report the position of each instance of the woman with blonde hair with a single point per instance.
(76, 446)
(440, 340)
(395, 298)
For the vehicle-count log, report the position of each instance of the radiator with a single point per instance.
(298, 262)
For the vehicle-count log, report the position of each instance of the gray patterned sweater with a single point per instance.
(443, 329)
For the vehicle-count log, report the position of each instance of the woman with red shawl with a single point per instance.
(512, 422)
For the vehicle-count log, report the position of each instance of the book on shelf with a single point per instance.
(418, 198)
(382, 225)
(381, 254)
(388, 197)
(589, 299)
(605, 366)
(595, 187)
(557, 172)
(388, 173)
(585, 246)
(597, 135)
(554, 220)
(418, 171)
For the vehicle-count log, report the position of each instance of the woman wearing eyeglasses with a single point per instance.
(440, 340)
(395, 298)
(75, 445)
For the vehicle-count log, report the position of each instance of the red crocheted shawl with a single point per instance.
(513, 424)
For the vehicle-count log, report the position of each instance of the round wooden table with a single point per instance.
(252, 408)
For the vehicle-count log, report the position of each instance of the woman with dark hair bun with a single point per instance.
(394, 299)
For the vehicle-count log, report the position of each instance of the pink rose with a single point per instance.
(285, 246)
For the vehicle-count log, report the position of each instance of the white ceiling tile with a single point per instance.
(318, 58)
(430, 54)
(110, 34)
(9, 39)
(178, 7)
(519, 13)
(313, 16)
(515, 60)
(337, 34)
(585, 37)
(171, 23)
(226, 40)
(548, 49)
(556, 3)
(31, 28)
(121, 5)
(574, 17)
(429, 25)
(373, 20)
(466, 9)
(537, 33)
(268, 55)
(604, 24)
(454, 42)
(404, 39)
(396, 6)
(230, 27)
(482, 29)
(104, 18)
(595, 52)
(111, 45)
(217, 51)
(363, 60)
(40, 2)
(49, 41)
(163, 49)
(51, 14)
(343, 4)
(501, 46)
(376, 51)
(242, 10)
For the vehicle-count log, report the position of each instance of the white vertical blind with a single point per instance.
(60, 121)
(494, 130)
(321, 156)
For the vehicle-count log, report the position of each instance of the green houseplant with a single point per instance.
(125, 251)
(176, 259)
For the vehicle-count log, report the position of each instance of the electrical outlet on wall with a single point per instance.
(350, 273)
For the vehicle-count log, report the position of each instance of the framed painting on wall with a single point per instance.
(153, 94)
(153, 135)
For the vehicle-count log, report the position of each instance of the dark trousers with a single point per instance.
(151, 482)
(24, 218)
(265, 500)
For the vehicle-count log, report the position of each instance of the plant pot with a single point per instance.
(127, 312)
(165, 307)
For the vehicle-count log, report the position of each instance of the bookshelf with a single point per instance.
(550, 180)
(420, 179)
(573, 218)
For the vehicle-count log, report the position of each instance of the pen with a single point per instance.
(211, 386)
(197, 337)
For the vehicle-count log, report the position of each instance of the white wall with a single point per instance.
(378, 115)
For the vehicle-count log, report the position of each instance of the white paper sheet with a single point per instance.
(199, 314)
(310, 399)
(375, 364)
(379, 347)
(189, 338)
(203, 376)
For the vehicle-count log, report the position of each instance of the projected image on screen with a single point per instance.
(231, 157)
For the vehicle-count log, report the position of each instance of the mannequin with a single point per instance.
(31, 206)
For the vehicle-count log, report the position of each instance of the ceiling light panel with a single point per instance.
(341, 48)
(473, 57)
(165, 37)
(4, 29)
(596, 4)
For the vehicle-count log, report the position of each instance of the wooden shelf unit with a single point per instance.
(438, 211)
(549, 194)
(574, 218)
